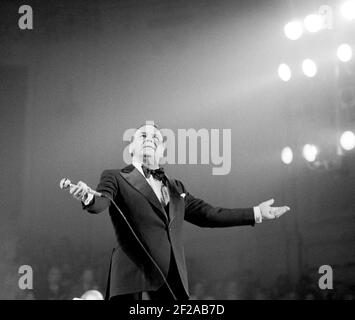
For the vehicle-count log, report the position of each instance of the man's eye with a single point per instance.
(157, 138)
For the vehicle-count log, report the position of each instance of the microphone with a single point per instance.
(66, 184)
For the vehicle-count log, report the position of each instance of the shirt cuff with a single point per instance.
(257, 215)
(89, 198)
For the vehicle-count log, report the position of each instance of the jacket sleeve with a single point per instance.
(108, 186)
(202, 214)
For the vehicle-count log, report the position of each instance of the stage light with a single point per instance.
(309, 68)
(310, 152)
(313, 23)
(293, 30)
(286, 155)
(344, 52)
(348, 10)
(284, 72)
(347, 140)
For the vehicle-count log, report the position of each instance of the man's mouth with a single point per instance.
(147, 146)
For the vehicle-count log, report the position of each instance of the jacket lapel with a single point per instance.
(136, 179)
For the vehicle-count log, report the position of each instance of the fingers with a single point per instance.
(73, 189)
(269, 202)
(79, 191)
(279, 211)
(272, 213)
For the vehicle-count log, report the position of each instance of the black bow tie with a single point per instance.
(157, 174)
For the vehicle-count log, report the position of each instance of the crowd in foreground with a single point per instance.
(65, 272)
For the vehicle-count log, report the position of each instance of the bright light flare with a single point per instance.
(348, 10)
(284, 72)
(347, 140)
(310, 152)
(287, 155)
(293, 30)
(309, 68)
(344, 52)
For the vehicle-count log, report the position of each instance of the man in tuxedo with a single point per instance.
(151, 263)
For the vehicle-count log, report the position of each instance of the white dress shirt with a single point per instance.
(155, 184)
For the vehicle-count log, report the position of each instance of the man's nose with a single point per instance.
(149, 140)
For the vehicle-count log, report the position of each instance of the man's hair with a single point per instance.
(144, 125)
(148, 124)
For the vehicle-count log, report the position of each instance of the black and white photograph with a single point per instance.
(177, 151)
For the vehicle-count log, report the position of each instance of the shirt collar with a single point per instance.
(138, 166)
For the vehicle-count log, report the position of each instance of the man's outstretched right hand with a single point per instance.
(81, 192)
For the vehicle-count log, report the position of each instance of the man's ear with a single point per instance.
(131, 146)
(165, 139)
(130, 149)
(163, 147)
(160, 151)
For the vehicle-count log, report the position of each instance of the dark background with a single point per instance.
(90, 70)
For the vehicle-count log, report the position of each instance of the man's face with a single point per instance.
(147, 142)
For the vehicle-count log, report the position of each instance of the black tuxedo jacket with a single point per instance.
(159, 230)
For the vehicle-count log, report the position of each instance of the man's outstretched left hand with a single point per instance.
(271, 213)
